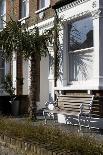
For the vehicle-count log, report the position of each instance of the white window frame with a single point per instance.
(90, 49)
(46, 5)
(26, 9)
(2, 14)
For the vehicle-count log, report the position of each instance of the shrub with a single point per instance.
(52, 137)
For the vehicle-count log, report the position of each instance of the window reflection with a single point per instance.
(81, 34)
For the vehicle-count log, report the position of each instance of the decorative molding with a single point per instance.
(94, 4)
(71, 5)
(63, 17)
(96, 13)
(44, 24)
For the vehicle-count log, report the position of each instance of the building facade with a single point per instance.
(81, 48)
(32, 13)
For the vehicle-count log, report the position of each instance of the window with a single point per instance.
(2, 13)
(24, 8)
(2, 68)
(81, 34)
(43, 4)
(80, 49)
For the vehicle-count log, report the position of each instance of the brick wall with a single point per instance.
(9, 9)
(32, 8)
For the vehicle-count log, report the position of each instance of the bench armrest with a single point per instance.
(82, 107)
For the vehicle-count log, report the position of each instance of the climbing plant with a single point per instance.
(29, 44)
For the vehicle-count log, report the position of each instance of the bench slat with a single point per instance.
(75, 100)
(77, 96)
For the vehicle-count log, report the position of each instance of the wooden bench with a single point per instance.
(70, 106)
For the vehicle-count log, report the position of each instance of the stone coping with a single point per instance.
(29, 148)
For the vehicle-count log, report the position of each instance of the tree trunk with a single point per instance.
(19, 75)
(56, 49)
(33, 87)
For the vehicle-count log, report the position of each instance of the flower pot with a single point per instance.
(15, 108)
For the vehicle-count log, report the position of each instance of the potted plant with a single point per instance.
(10, 90)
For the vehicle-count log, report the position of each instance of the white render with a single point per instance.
(78, 10)
(72, 11)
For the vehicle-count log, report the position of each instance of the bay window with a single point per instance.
(80, 45)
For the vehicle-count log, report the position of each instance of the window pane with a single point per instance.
(81, 34)
(24, 8)
(81, 65)
(2, 74)
(41, 4)
(2, 63)
(1, 22)
(2, 13)
(3, 7)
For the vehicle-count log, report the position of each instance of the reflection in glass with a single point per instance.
(81, 65)
(41, 4)
(81, 34)
(24, 8)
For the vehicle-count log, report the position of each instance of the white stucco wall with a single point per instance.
(44, 84)
(78, 10)
(26, 78)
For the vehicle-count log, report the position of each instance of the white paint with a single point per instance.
(46, 24)
(25, 77)
(44, 84)
(77, 10)
(14, 71)
(61, 118)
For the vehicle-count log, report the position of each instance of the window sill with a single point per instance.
(42, 9)
(24, 18)
(82, 50)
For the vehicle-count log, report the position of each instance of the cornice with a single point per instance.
(44, 24)
(71, 5)
(94, 14)
(78, 15)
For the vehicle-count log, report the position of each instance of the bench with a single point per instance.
(70, 106)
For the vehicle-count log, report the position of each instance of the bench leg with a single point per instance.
(54, 117)
(79, 122)
(89, 122)
(45, 118)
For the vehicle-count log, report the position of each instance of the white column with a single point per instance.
(96, 51)
(14, 70)
(101, 52)
(51, 74)
(25, 77)
(65, 55)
